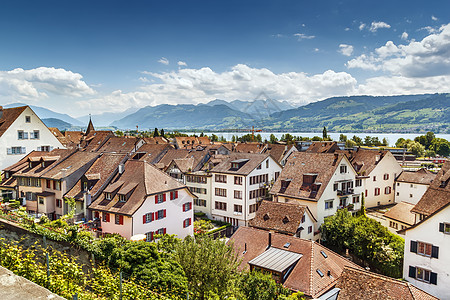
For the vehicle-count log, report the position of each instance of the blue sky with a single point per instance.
(82, 57)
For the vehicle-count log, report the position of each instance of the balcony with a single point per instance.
(346, 192)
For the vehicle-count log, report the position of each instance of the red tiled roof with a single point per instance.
(250, 147)
(323, 147)
(402, 212)
(254, 160)
(422, 176)
(9, 116)
(365, 160)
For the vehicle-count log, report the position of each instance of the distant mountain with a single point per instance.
(105, 119)
(368, 113)
(44, 113)
(185, 116)
(52, 122)
(257, 108)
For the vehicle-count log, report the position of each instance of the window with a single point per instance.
(105, 217)
(303, 219)
(34, 135)
(58, 203)
(309, 229)
(160, 214)
(195, 179)
(148, 218)
(386, 176)
(160, 198)
(27, 119)
(258, 167)
(41, 200)
(149, 236)
(387, 190)
(253, 208)
(197, 190)
(221, 178)
(122, 198)
(221, 192)
(424, 249)
(267, 164)
(221, 205)
(187, 222)
(21, 135)
(398, 194)
(259, 179)
(187, 206)
(329, 204)
(119, 219)
(257, 193)
(276, 175)
(173, 195)
(200, 202)
(444, 227)
(237, 194)
(423, 275)
(355, 199)
(238, 180)
(358, 182)
(85, 186)
(410, 195)
(365, 193)
(107, 195)
(343, 169)
(374, 178)
(238, 208)
(377, 191)
(16, 150)
(57, 185)
(393, 225)
(161, 231)
(45, 148)
(335, 186)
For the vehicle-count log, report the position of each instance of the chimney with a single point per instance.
(245, 248)
(121, 168)
(270, 240)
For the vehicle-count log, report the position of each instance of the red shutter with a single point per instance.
(144, 219)
(164, 213)
(190, 222)
(151, 236)
(164, 229)
(107, 217)
(184, 207)
(164, 197)
(171, 195)
(156, 199)
(176, 194)
(190, 205)
(154, 216)
(121, 220)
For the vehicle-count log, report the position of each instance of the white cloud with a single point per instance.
(182, 63)
(377, 25)
(347, 29)
(425, 58)
(362, 26)
(302, 36)
(240, 82)
(400, 85)
(345, 49)
(163, 61)
(430, 29)
(434, 18)
(35, 84)
(404, 36)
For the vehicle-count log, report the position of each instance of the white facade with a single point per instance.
(429, 232)
(308, 227)
(34, 135)
(200, 185)
(380, 182)
(237, 211)
(409, 192)
(172, 223)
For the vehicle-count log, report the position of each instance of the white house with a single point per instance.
(144, 200)
(200, 183)
(21, 131)
(427, 243)
(239, 183)
(324, 182)
(410, 186)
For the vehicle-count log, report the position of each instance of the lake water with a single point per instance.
(391, 137)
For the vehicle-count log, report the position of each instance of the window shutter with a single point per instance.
(433, 278)
(151, 236)
(441, 225)
(164, 229)
(154, 216)
(51, 148)
(156, 199)
(176, 194)
(23, 150)
(190, 205)
(9, 151)
(413, 247)
(164, 197)
(412, 272)
(39, 148)
(144, 219)
(107, 217)
(164, 213)
(120, 220)
(435, 252)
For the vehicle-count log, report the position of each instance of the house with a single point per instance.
(250, 147)
(410, 186)
(156, 140)
(324, 182)
(298, 264)
(356, 283)
(323, 147)
(378, 170)
(399, 217)
(286, 218)
(93, 140)
(426, 257)
(141, 199)
(193, 161)
(280, 152)
(200, 184)
(91, 185)
(21, 131)
(190, 142)
(152, 153)
(240, 182)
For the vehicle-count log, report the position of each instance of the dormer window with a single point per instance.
(108, 196)
(266, 217)
(85, 186)
(30, 165)
(285, 220)
(234, 165)
(443, 184)
(122, 198)
(258, 167)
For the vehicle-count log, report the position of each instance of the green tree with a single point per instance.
(357, 140)
(440, 146)
(156, 132)
(259, 138)
(260, 286)
(342, 138)
(316, 138)
(385, 142)
(214, 138)
(273, 139)
(416, 148)
(324, 133)
(350, 144)
(210, 266)
(118, 133)
(162, 133)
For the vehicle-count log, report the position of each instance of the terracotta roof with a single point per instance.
(320, 165)
(189, 142)
(73, 136)
(356, 283)
(365, 160)
(97, 175)
(184, 164)
(95, 140)
(147, 180)
(70, 165)
(172, 154)
(24, 161)
(118, 145)
(152, 153)
(57, 133)
(278, 151)
(156, 140)
(323, 147)
(422, 176)
(9, 116)
(437, 195)
(402, 212)
(253, 161)
(281, 217)
(304, 276)
(250, 147)
(37, 170)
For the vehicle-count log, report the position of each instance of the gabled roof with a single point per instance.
(184, 164)
(322, 165)
(95, 139)
(356, 283)
(278, 151)
(156, 140)
(365, 160)
(402, 212)
(9, 115)
(118, 145)
(59, 155)
(73, 136)
(253, 161)
(281, 217)
(152, 153)
(323, 147)
(70, 165)
(145, 179)
(304, 276)
(422, 176)
(250, 147)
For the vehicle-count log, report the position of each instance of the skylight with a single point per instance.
(319, 272)
(287, 245)
(324, 254)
